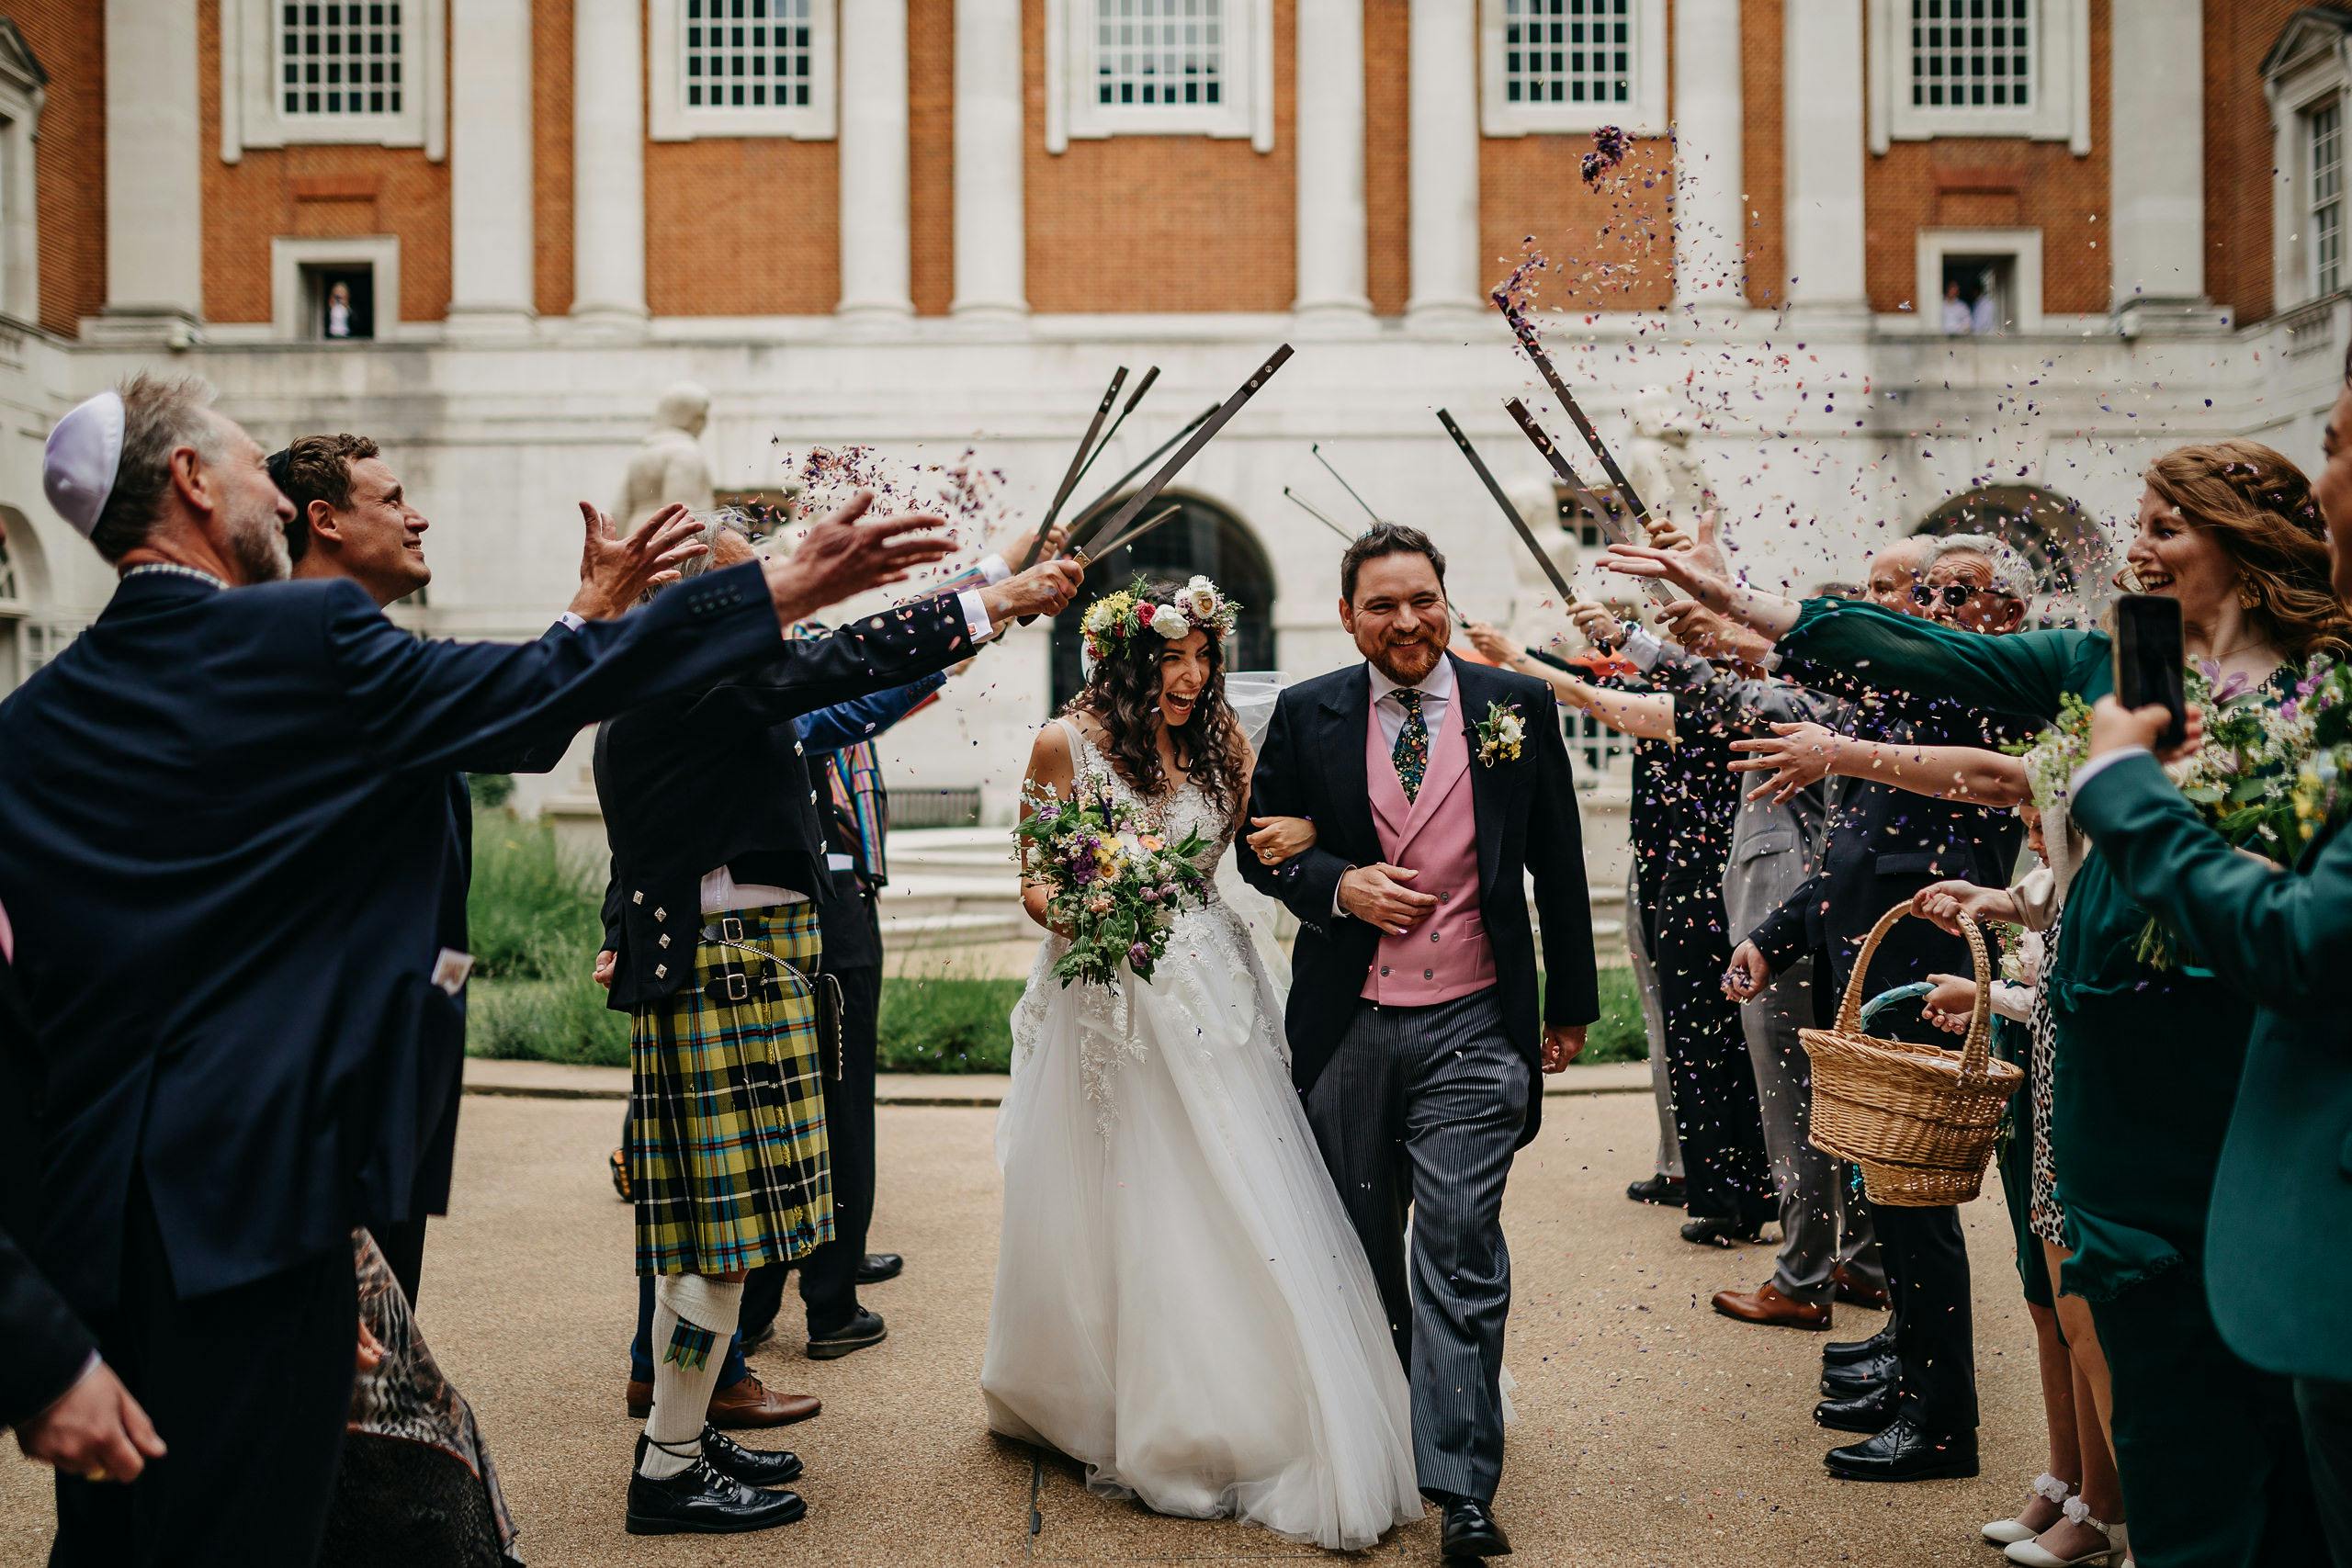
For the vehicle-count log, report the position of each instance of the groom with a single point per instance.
(1435, 785)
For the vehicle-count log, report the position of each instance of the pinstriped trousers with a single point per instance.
(1417, 1113)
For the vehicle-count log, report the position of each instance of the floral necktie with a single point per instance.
(1412, 753)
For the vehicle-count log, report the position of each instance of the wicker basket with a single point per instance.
(1919, 1120)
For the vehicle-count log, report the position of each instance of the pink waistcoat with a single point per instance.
(1446, 955)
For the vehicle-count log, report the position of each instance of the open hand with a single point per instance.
(1563, 1043)
(1748, 974)
(614, 573)
(96, 1430)
(841, 556)
(1794, 757)
(1599, 623)
(1702, 543)
(1377, 894)
(1682, 567)
(1277, 839)
(2115, 728)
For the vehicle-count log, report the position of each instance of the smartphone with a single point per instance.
(2150, 663)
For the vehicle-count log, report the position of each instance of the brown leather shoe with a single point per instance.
(1765, 1303)
(745, 1404)
(1853, 1292)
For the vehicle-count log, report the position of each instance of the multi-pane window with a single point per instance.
(1159, 54)
(1971, 54)
(2326, 130)
(340, 57)
(1567, 51)
(747, 55)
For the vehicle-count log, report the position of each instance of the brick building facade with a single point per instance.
(935, 224)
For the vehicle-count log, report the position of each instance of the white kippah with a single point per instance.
(77, 467)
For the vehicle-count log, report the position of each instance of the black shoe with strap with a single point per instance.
(701, 1500)
(1906, 1451)
(877, 1266)
(752, 1467)
(1471, 1531)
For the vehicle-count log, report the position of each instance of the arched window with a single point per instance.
(2063, 541)
(1203, 538)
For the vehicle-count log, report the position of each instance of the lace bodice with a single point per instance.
(1171, 814)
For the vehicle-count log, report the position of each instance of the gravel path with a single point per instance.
(1652, 1431)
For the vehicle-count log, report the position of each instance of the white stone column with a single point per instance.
(1709, 215)
(1826, 148)
(2156, 154)
(607, 167)
(991, 225)
(491, 284)
(874, 220)
(1442, 163)
(1329, 176)
(155, 195)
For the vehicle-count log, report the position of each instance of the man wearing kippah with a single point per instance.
(220, 842)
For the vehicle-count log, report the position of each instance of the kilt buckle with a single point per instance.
(739, 987)
(730, 929)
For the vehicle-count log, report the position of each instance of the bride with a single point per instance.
(1181, 1304)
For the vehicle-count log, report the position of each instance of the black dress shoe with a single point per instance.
(1846, 1352)
(1471, 1531)
(1856, 1378)
(1869, 1412)
(752, 1467)
(1725, 1231)
(877, 1266)
(1670, 1190)
(866, 1328)
(1904, 1452)
(698, 1500)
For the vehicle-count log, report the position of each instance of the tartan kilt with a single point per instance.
(728, 1158)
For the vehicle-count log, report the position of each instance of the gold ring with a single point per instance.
(95, 1473)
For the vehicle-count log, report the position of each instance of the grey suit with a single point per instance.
(1774, 848)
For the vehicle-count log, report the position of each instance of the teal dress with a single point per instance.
(2146, 1074)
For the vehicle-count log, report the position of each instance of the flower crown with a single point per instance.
(1115, 619)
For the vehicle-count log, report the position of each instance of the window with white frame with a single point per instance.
(2018, 68)
(1160, 67)
(1572, 65)
(23, 90)
(2324, 142)
(297, 72)
(736, 68)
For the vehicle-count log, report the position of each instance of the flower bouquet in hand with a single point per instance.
(1112, 885)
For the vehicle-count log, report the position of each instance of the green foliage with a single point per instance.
(532, 914)
(947, 1026)
(1617, 1036)
(544, 1020)
(490, 790)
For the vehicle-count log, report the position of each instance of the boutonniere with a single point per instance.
(1501, 734)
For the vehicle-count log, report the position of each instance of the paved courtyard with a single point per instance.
(1651, 1432)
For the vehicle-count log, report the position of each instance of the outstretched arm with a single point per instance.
(1797, 755)
(1770, 614)
(1644, 716)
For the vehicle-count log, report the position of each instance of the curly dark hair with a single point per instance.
(1122, 695)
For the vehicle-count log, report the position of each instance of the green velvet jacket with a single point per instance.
(2148, 1061)
(2276, 1271)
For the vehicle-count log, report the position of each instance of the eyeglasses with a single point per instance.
(1953, 594)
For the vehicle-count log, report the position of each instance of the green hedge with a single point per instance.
(536, 927)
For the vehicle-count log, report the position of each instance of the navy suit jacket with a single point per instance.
(43, 1348)
(1311, 765)
(224, 835)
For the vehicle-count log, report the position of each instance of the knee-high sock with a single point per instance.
(692, 1320)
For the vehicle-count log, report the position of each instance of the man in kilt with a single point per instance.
(717, 850)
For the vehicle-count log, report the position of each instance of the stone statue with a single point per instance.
(669, 464)
(1538, 619)
(1658, 460)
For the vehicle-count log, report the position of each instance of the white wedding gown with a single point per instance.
(1181, 1304)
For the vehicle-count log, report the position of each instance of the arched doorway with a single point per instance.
(2064, 543)
(1204, 538)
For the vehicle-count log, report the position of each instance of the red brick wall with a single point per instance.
(311, 193)
(2238, 224)
(551, 155)
(931, 152)
(68, 37)
(1387, 175)
(1763, 166)
(1998, 182)
(1161, 222)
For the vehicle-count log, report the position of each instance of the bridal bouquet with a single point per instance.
(1113, 884)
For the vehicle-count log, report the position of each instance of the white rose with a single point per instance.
(1170, 622)
(1511, 730)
